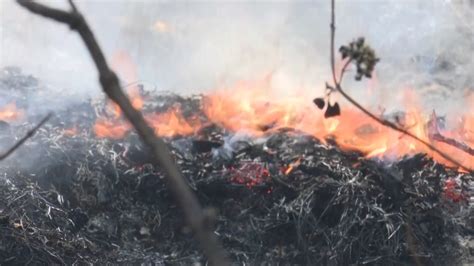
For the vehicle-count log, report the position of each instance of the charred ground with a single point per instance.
(285, 198)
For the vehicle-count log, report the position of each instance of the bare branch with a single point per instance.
(197, 218)
(457, 144)
(435, 134)
(52, 13)
(73, 6)
(333, 37)
(343, 70)
(28, 135)
(337, 85)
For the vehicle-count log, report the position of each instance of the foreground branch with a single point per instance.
(197, 218)
(386, 123)
(28, 135)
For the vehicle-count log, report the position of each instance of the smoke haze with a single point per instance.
(193, 46)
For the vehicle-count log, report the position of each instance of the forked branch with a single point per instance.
(197, 218)
(386, 123)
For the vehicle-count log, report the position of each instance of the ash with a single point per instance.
(284, 198)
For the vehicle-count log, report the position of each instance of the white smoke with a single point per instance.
(191, 46)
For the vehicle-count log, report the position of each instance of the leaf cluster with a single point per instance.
(362, 55)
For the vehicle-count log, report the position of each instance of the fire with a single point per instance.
(253, 107)
(468, 129)
(168, 124)
(115, 129)
(467, 122)
(112, 125)
(10, 112)
(172, 123)
(292, 166)
(122, 64)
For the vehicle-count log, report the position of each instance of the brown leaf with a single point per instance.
(332, 110)
(320, 103)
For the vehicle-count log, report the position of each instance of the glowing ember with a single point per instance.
(452, 191)
(10, 112)
(249, 174)
(73, 131)
(291, 167)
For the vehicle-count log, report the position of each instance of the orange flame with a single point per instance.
(10, 113)
(172, 123)
(467, 122)
(115, 129)
(167, 124)
(251, 106)
(114, 126)
(292, 166)
(255, 108)
(122, 64)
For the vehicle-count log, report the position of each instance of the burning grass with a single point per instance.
(284, 197)
(252, 107)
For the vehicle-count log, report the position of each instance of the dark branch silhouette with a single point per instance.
(28, 135)
(200, 220)
(435, 134)
(457, 144)
(386, 123)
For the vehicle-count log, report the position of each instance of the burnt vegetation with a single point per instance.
(285, 198)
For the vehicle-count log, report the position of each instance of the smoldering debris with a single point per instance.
(285, 198)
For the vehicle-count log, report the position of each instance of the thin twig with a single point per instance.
(435, 134)
(455, 143)
(197, 218)
(28, 135)
(386, 123)
(73, 6)
(343, 70)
